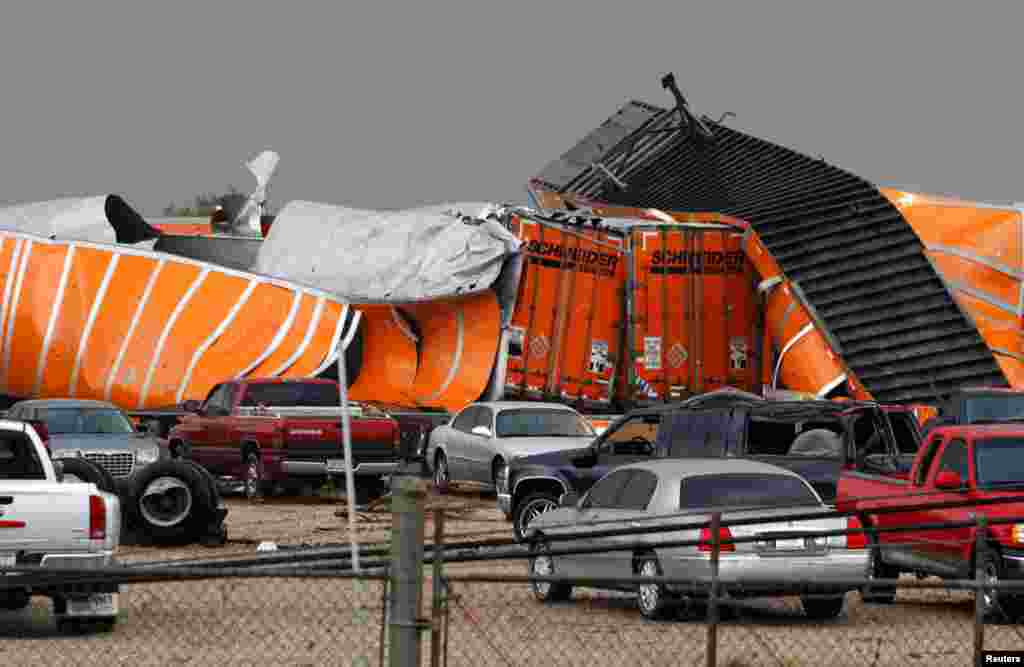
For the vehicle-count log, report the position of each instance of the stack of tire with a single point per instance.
(173, 501)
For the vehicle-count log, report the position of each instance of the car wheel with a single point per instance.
(13, 600)
(442, 475)
(654, 599)
(84, 470)
(877, 569)
(822, 607)
(172, 501)
(542, 564)
(531, 507)
(994, 603)
(253, 480)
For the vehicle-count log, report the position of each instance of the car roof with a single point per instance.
(708, 466)
(64, 403)
(991, 428)
(515, 405)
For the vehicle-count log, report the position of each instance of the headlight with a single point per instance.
(148, 455)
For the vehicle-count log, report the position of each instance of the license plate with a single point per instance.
(97, 604)
(336, 466)
(789, 545)
(7, 560)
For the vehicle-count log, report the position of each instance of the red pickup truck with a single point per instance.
(956, 463)
(268, 432)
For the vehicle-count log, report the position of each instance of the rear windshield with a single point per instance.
(93, 421)
(996, 407)
(745, 490)
(293, 395)
(18, 458)
(527, 423)
(998, 462)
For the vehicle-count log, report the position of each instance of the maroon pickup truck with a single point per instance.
(956, 463)
(270, 432)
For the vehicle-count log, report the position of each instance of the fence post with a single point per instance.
(979, 594)
(716, 546)
(406, 573)
(436, 612)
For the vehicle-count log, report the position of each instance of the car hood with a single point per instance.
(100, 441)
(531, 448)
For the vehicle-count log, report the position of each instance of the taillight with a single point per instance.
(723, 534)
(855, 540)
(97, 518)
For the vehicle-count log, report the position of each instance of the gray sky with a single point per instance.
(388, 104)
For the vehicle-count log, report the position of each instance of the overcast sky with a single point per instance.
(389, 104)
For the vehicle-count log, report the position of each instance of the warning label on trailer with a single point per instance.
(652, 353)
(599, 357)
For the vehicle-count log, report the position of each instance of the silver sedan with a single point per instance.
(668, 491)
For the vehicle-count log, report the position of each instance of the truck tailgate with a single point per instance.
(38, 516)
(317, 439)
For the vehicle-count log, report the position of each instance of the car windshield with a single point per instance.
(293, 395)
(85, 420)
(995, 407)
(998, 462)
(745, 490)
(530, 423)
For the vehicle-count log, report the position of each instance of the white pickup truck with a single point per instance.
(45, 522)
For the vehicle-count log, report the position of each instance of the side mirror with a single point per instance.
(569, 499)
(191, 406)
(482, 431)
(948, 480)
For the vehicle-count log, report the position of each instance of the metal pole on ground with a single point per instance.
(979, 593)
(437, 613)
(408, 503)
(346, 438)
(716, 547)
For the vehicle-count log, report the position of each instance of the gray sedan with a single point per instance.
(485, 437)
(656, 493)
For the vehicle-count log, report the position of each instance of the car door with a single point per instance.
(205, 439)
(898, 546)
(942, 549)
(630, 511)
(601, 504)
(480, 448)
(456, 445)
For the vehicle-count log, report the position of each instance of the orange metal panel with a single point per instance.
(31, 313)
(389, 358)
(291, 341)
(171, 284)
(320, 345)
(87, 270)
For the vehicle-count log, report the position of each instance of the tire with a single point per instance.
(442, 475)
(180, 450)
(14, 600)
(879, 570)
(996, 605)
(181, 511)
(90, 473)
(254, 486)
(542, 564)
(821, 608)
(81, 626)
(216, 533)
(529, 509)
(654, 600)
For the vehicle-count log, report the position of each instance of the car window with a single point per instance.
(635, 430)
(18, 459)
(464, 422)
(745, 490)
(212, 402)
(954, 458)
(998, 463)
(285, 395)
(926, 460)
(606, 492)
(637, 493)
(542, 422)
(483, 418)
(906, 430)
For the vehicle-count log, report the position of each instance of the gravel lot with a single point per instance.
(337, 622)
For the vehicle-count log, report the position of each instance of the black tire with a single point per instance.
(180, 450)
(14, 600)
(182, 512)
(821, 608)
(81, 626)
(90, 473)
(879, 570)
(655, 600)
(216, 533)
(998, 605)
(442, 475)
(542, 564)
(530, 508)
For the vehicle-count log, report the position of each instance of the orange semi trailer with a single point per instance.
(625, 311)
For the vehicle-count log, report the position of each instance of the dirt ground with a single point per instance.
(338, 622)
